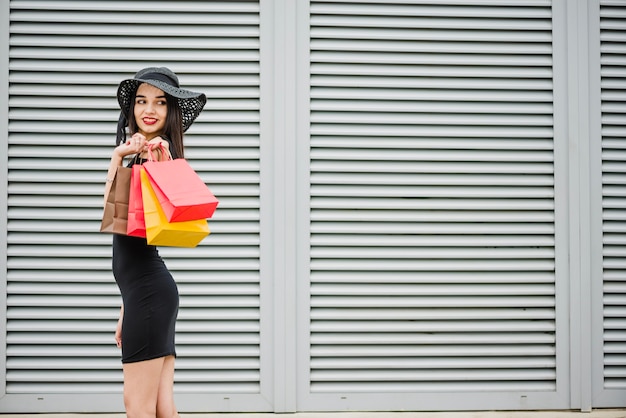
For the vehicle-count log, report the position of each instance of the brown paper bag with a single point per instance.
(115, 216)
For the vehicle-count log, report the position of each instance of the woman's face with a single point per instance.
(150, 110)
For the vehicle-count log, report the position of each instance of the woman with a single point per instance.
(156, 112)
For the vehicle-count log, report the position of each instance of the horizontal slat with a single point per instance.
(434, 22)
(55, 251)
(68, 376)
(419, 291)
(426, 155)
(216, 331)
(120, 18)
(226, 34)
(431, 277)
(428, 352)
(419, 366)
(96, 264)
(448, 10)
(391, 58)
(444, 343)
(96, 313)
(463, 374)
(378, 102)
(165, 6)
(420, 302)
(182, 366)
(173, 54)
(382, 89)
(486, 71)
(26, 107)
(438, 164)
(59, 126)
(79, 66)
(383, 265)
(505, 324)
(213, 345)
(427, 47)
(47, 238)
(400, 253)
(441, 130)
(40, 84)
(364, 215)
(427, 34)
(100, 300)
(374, 118)
(366, 228)
(434, 191)
(96, 388)
(58, 43)
(429, 386)
(430, 179)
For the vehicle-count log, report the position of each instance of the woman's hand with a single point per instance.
(133, 145)
(155, 145)
(118, 330)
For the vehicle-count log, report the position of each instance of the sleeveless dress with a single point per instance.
(150, 297)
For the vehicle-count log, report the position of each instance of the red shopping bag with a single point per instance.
(182, 194)
(163, 233)
(136, 225)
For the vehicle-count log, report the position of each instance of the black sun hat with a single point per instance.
(190, 102)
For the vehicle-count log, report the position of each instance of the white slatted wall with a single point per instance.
(66, 59)
(613, 94)
(432, 202)
(433, 260)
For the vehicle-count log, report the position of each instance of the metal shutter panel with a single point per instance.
(66, 59)
(613, 86)
(432, 253)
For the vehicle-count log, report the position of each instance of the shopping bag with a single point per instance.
(136, 226)
(161, 232)
(181, 192)
(115, 215)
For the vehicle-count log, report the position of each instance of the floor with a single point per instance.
(600, 413)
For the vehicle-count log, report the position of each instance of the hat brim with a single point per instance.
(190, 102)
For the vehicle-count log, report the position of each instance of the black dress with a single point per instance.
(150, 297)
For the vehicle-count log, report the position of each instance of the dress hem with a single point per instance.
(149, 358)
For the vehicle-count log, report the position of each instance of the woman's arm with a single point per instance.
(135, 144)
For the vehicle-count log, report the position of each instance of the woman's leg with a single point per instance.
(141, 387)
(165, 397)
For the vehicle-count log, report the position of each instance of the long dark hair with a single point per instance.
(173, 129)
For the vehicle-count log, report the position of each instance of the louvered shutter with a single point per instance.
(432, 252)
(66, 59)
(613, 96)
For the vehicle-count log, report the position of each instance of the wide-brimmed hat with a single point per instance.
(190, 102)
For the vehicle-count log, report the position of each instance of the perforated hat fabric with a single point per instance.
(191, 103)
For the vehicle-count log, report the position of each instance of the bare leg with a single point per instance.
(141, 387)
(165, 397)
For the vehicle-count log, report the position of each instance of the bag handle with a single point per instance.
(163, 150)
